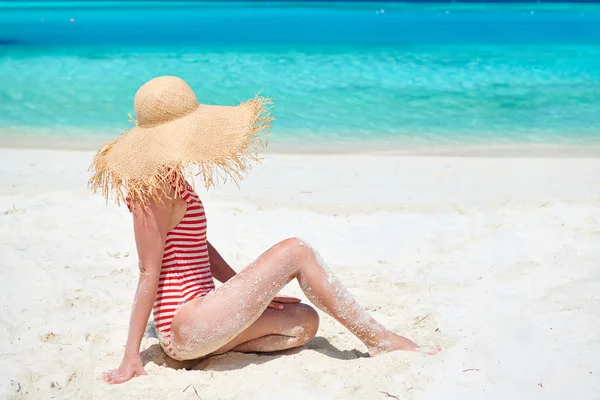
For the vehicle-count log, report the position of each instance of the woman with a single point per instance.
(145, 167)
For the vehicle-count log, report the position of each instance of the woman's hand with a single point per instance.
(130, 368)
(279, 301)
(150, 226)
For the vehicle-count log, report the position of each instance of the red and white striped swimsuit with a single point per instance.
(185, 273)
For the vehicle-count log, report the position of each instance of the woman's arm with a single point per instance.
(150, 228)
(218, 266)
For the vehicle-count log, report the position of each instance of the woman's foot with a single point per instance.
(392, 342)
(429, 350)
(395, 342)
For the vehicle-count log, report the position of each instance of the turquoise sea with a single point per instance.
(358, 72)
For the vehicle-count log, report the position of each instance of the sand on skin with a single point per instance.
(495, 259)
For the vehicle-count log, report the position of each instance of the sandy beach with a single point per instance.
(497, 260)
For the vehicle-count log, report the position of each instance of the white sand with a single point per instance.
(497, 260)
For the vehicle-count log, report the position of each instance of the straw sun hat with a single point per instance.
(175, 133)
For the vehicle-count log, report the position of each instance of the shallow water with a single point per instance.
(351, 71)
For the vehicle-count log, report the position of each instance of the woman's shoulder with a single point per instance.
(175, 187)
(166, 190)
(185, 190)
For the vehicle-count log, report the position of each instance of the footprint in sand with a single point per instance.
(54, 338)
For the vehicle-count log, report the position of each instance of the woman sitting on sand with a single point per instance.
(146, 168)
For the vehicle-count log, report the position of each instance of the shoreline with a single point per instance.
(376, 148)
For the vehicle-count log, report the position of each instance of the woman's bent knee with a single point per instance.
(292, 244)
(296, 247)
(310, 322)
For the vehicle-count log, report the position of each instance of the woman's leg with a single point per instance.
(276, 330)
(203, 327)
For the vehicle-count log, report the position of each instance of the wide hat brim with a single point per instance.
(221, 141)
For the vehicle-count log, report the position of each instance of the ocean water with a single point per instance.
(353, 72)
